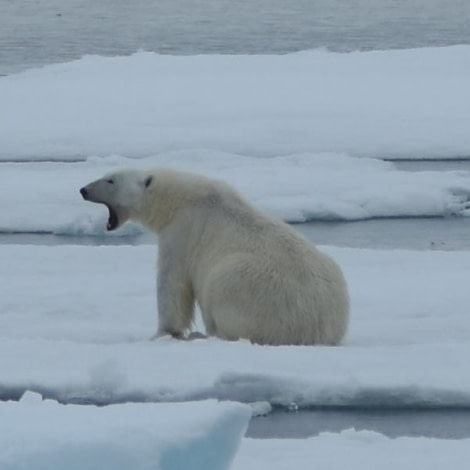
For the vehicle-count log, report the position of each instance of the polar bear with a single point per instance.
(252, 276)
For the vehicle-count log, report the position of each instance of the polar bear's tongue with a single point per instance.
(112, 219)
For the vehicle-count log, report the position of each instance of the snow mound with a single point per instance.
(44, 435)
(44, 197)
(401, 104)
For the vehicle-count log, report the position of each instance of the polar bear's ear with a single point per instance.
(148, 180)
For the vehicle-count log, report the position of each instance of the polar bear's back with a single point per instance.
(253, 277)
(264, 281)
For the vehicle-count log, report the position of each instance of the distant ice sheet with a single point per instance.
(43, 435)
(400, 104)
(44, 197)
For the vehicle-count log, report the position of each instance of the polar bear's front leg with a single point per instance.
(175, 298)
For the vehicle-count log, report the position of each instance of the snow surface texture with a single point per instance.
(43, 435)
(44, 197)
(75, 325)
(400, 104)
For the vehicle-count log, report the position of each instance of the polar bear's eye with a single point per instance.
(110, 181)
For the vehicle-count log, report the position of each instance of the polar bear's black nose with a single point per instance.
(84, 193)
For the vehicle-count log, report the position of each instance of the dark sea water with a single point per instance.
(38, 32)
(448, 234)
(435, 423)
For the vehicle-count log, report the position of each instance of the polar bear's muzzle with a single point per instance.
(116, 216)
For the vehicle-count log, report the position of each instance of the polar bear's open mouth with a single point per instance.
(113, 220)
(117, 214)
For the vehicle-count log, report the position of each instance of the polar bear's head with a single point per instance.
(121, 192)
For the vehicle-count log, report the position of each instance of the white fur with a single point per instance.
(253, 277)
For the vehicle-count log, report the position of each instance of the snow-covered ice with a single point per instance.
(400, 104)
(310, 114)
(75, 325)
(44, 435)
(287, 131)
(44, 197)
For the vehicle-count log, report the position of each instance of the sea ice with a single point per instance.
(44, 435)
